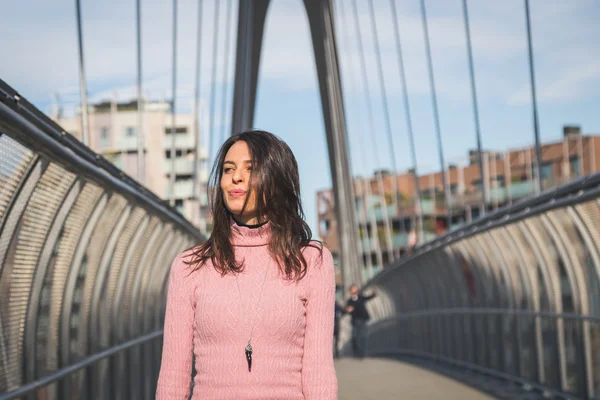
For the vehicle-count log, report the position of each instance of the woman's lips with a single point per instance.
(237, 193)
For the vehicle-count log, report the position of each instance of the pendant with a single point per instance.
(249, 356)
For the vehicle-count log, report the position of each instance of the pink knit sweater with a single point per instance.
(292, 342)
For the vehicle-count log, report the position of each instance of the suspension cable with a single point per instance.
(382, 199)
(436, 117)
(482, 173)
(538, 152)
(197, 78)
(140, 108)
(213, 90)
(228, 23)
(173, 103)
(85, 124)
(370, 244)
(386, 112)
(409, 127)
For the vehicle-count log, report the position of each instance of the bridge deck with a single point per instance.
(384, 379)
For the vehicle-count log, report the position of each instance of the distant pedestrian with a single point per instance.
(356, 307)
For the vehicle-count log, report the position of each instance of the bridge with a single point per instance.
(503, 304)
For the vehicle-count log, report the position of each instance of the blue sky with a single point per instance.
(39, 47)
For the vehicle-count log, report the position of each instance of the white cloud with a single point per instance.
(575, 82)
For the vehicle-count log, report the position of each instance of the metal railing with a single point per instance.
(84, 259)
(39, 385)
(502, 343)
(515, 294)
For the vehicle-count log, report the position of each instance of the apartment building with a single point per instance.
(510, 176)
(114, 134)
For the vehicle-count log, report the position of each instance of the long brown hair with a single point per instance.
(276, 182)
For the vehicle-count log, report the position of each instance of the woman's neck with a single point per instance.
(251, 222)
(249, 235)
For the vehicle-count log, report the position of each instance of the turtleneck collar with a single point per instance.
(249, 235)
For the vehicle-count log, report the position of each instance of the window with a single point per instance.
(324, 226)
(179, 129)
(130, 131)
(179, 205)
(178, 154)
(547, 172)
(453, 188)
(104, 133)
(575, 166)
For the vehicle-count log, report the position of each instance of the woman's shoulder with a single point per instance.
(320, 270)
(183, 263)
(316, 253)
(185, 256)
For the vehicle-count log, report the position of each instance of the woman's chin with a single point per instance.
(237, 212)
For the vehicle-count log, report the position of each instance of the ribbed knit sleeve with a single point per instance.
(319, 381)
(176, 367)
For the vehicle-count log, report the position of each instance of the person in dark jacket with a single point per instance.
(356, 307)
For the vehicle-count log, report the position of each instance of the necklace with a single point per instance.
(248, 348)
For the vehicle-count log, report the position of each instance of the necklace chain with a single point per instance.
(257, 305)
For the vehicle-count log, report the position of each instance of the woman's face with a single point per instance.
(235, 183)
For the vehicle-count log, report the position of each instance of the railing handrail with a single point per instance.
(63, 372)
(484, 311)
(36, 131)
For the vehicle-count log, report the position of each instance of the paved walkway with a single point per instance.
(383, 379)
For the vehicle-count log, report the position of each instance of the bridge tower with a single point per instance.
(251, 22)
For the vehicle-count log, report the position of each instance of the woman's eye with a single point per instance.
(226, 170)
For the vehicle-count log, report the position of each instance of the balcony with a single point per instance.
(183, 190)
(183, 166)
(522, 189)
(406, 208)
(125, 144)
(182, 141)
(500, 194)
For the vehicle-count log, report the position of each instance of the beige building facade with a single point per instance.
(113, 133)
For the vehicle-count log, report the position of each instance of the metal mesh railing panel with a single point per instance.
(14, 160)
(76, 233)
(116, 267)
(126, 306)
(590, 212)
(141, 279)
(66, 247)
(31, 235)
(93, 255)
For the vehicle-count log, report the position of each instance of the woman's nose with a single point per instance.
(237, 176)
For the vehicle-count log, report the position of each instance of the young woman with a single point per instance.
(254, 304)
